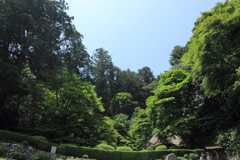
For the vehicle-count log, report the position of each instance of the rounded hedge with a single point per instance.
(105, 146)
(40, 156)
(160, 148)
(41, 138)
(123, 148)
(85, 156)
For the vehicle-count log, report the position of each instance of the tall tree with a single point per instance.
(141, 128)
(123, 103)
(146, 75)
(129, 82)
(148, 81)
(40, 34)
(102, 75)
(172, 109)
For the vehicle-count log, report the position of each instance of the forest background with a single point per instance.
(50, 86)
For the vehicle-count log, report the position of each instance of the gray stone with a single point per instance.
(171, 156)
(53, 149)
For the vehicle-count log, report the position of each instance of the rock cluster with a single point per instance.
(30, 151)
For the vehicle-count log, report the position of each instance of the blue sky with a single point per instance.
(137, 33)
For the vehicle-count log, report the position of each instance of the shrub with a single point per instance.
(85, 156)
(105, 146)
(160, 148)
(174, 147)
(40, 156)
(18, 156)
(40, 138)
(3, 150)
(123, 148)
(193, 156)
(185, 156)
(25, 143)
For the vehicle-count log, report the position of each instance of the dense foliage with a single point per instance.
(51, 88)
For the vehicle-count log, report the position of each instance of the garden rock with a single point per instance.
(171, 156)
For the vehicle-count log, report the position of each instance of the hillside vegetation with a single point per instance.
(51, 87)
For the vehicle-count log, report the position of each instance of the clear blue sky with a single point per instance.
(137, 33)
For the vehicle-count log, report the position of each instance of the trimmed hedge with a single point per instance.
(174, 147)
(17, 137)
(101, 154)
(123, 148)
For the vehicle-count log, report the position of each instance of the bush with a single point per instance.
(25, 143)
(40, 138)
(123, 148)
(18, 156)
(85, 156)
(185, 156)
(193, 156)
(160, 148)
(105, 146)
(40, 156)
(3, 150)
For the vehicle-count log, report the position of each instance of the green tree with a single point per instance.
(146, 75)
(171, 108)
(68, 110)
(129, 81)
(109, 134)
(123, 103)
(102, 68)
(40, 34)
(140, 129)
(176, 55)
(214, 54)
(122, 125)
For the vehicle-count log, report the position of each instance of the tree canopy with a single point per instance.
(214, 53)
(50, 86)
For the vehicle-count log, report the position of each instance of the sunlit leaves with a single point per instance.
(170, 108)
(214, 47)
